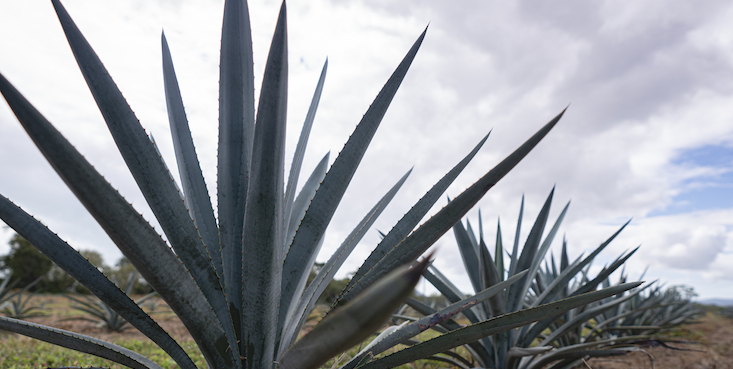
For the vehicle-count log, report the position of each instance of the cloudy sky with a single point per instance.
(648, 134)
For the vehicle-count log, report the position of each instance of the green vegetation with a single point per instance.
(23, 353)
(597, 329)
(17, 305)
(97, 311)
(24, 263)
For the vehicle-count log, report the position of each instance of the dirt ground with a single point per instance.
(711, 338)
(58, 313)
(713, 345)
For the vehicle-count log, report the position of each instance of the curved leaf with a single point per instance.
(78, 342)
(295, 319)
(586, 316)
(423, 324)
(492, 326)
(137, 240)
(562, 352)
(515, 248)
(430, 231)
(516, 295)
(334, 185)
(467, 248)
(354, 322)
(305, 197)
(144, 162)
(408, 222)
(300, 151)
(263, 217)
(147, 167)
(196, 195)
(236, 135)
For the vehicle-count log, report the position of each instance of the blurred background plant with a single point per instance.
(26, 266)
(16, 305)
(97, 311)
(600, 328)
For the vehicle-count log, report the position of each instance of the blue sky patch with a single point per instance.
(704, 192)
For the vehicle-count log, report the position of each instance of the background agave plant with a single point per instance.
(526, 285)
(603, 327)
(103, 314)
(16, 304)
(237, 280)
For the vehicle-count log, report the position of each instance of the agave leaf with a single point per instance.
(144, 162)
(82, 270)
(456, 363)
(497, 303)
(538, 328)
(516, 354)
(408, 222)
(499, 251)
(430, 231)
(354, 322)
(78, 342)
(569, 272)
(515, 295)
(561, 352)
(515, 248)
(300, 152)
(459, 360)
(305, 197)
(467, 248)
(573, 358)
(610, 320)
(334, 185)
(423, 324)
(137, 240)
(585, 316)
(447, 325)
(540, 255)
(592, 284)
(296, 319)
(148, 168)
(263, 220)
(4, 291)
(453, 294)
(564, 255)
(236, 134)
(380, 337)
(476, 348)
(472, 233)
(196, 195)
(492, 326)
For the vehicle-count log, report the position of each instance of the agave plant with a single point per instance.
(5, 287)
(237, 279)
(650, 312)
(490, 307)
(570, 334)
(15, 305)
(528, 286)
(103, 314)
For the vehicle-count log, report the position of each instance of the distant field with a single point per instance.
(713, 334)
(710, 341)
(20, 352)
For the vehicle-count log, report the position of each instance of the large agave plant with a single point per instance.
(527, 286)
(237, 279)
